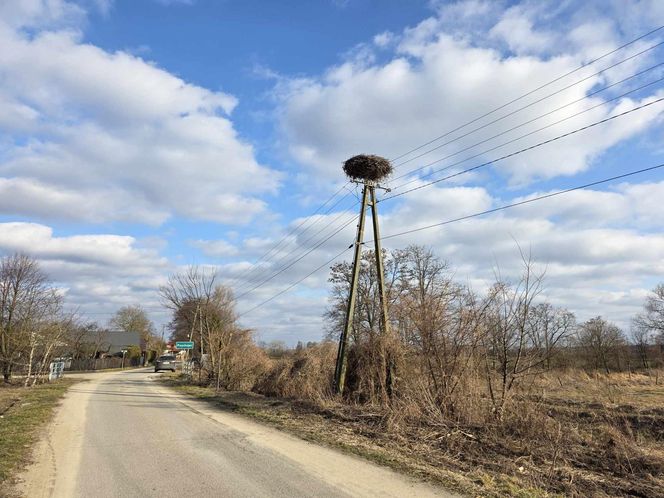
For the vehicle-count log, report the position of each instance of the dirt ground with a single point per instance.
(575, 435)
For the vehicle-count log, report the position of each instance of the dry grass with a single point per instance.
(566, 433)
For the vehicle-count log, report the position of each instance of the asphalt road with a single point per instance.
(123, 435)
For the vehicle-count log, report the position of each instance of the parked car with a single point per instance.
(165, 362)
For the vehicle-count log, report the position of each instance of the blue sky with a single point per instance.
(137, 137)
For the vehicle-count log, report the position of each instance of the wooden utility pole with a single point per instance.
(340, 369)
(368, 191)
(379, 261)
(385, 324)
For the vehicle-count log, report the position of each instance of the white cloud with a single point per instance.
(438, 79)
(97, 272)
(383, 39)
(518, 32)
(215, 248)
(40, 13)
(81, 122)
(601, 249)
(594, 265)
(109, 250)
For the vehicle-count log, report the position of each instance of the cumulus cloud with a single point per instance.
(398, 89)
(95, 136)
(440, 76)
(97, 273)
(215, 248)
(594, 264)
(113, 250)
(81, 122)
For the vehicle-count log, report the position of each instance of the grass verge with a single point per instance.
(23, 413)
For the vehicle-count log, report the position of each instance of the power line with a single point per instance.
(295, 283)
(530, 92)
(450, 176)
(484, 126)
(300, 257)
(284, 258)
(530, 105)
(485, 164)
(545, 142)
(254, 266)
(461, 218)
(526, 201)
(530, 121)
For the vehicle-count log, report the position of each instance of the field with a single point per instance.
(23, 413)
(566, 434)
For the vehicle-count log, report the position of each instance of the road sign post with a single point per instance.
(184, 345)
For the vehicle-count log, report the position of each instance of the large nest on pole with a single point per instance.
(367, 167)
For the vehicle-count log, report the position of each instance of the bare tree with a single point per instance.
(371, 354)
(548, 327)
(439, 322)
(367, 313)
(206, 310)
(521, 336)
(652, 318)
(86, 340)
(53, 335)
(642, 339)
(602, 341)
(28, 307)
(185, 293)
(135, 319)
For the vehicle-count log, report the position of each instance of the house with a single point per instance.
(117, 340)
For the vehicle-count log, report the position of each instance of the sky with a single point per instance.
(138, 137)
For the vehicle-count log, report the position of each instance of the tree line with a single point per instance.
(35, 328)
(443, 334)
(444, 339)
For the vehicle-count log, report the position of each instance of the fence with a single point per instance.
(84, 364)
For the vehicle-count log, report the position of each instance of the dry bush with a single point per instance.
(618, 452)
(372, 367)
(307, 374)
(242, 363)
(418, 401)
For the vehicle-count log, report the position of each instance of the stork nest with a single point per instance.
(367, 167)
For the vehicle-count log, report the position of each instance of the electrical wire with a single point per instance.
(355, 217)
(253, 267)
(284, 258)
(545, 142)
(295, 283)
(468, 133)
(521, 203)
(252, 280)
(309, 251)
(569, 73)
(461, 218)
(532, 104)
